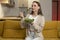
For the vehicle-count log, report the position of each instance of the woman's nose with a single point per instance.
(32, 7)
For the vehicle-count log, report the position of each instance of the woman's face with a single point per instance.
(35, 7)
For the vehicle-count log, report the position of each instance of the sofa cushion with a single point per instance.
(50, 25)
(11, 24)
(11, 33)
(50, 33)
(51, 39)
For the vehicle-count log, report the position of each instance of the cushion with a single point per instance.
(51, 39)
(50, 25)
(11, 24)
(10, 33)
(50, 33)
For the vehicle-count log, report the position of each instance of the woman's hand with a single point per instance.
(21, 14)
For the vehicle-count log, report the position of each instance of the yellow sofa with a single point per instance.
(50, 31)
(12, 29)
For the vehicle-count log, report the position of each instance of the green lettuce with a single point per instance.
(27, 20)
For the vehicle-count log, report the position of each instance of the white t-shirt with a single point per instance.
(32, 33)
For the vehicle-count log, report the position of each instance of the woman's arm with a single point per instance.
(39, 24)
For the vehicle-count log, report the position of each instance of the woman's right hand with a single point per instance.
(21, 14)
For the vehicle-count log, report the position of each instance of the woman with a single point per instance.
(35, 31)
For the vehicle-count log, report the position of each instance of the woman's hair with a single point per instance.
(39, 11)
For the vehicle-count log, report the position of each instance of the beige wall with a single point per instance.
(46, 6)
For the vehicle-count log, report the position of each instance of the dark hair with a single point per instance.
(39, 11)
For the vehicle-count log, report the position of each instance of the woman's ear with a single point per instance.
(38, 7)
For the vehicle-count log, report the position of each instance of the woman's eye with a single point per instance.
(34, 5)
